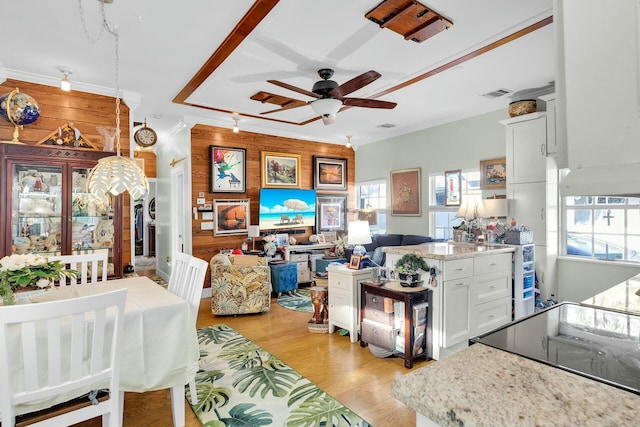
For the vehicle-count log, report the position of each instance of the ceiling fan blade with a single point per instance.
(294, 88)
(368, 103)
(327, 120)
(294, 103)
(355, 83)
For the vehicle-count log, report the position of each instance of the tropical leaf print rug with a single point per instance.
(298, 301)
(240, 384)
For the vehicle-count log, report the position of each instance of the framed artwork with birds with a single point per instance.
(228, 170)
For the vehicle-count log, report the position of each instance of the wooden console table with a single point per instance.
(378, 326)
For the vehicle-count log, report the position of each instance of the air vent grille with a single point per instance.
(497, 93)
(387, 125)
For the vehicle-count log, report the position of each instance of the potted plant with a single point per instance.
(408, 267)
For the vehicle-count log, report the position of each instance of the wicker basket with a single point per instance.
(515, 237)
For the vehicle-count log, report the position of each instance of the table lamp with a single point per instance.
(495, 208)
(471, 209)
(253, 232)
(358, 234)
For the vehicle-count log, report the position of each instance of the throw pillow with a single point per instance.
(220, 259)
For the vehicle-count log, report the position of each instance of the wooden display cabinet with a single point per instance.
(46, 210)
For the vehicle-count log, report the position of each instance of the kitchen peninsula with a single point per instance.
(471, 290)
(485, 386)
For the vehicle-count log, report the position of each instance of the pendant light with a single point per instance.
(116, 174)
(348, 141)
(65, 83)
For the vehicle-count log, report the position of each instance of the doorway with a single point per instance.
(145, 235)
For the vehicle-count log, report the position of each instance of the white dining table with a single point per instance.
(159, 344)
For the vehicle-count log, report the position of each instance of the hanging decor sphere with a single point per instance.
(19, 109)
(116, 174)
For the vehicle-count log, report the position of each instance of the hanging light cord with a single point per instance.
(116, 35)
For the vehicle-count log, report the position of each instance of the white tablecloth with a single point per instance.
(160, 345)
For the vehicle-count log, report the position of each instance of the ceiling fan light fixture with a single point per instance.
(326, 106)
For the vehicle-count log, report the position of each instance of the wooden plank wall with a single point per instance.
(205, 244)
(85, 111)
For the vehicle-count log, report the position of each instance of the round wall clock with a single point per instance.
(145, 136)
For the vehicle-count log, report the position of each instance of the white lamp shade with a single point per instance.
(254, 231)
(326, 106)
(495, 208)
(471, 207)
(358, 233)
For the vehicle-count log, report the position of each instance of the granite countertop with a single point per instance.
(446, 251)
(483, 386)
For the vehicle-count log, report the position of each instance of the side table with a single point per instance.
(380, 326)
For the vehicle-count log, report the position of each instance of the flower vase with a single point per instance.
(109, 135)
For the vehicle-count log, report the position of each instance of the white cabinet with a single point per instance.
(302, 255)
(526, 148)
(456, 311)
(344, 298)
(598, 80)
(532, 190)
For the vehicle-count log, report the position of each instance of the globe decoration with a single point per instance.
(19, 109)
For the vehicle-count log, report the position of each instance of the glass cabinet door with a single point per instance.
(92, 226)
(36, 217)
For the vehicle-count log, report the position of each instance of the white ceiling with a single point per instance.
(163, 44)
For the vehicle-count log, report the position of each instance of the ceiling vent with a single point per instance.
(387, 125)
(497, 93)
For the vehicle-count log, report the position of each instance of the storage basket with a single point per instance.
(515, 237)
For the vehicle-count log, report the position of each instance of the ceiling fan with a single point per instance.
(330, 96)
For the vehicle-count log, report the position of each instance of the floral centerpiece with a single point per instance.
(341, 245)
(28, 271)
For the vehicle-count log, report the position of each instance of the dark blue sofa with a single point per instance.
(378, 241)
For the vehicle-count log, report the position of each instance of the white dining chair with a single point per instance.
(91, 267)
(187, 281)
(61, 350)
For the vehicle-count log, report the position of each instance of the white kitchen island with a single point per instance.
(471, 292)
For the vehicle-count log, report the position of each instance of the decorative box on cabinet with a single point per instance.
(45, 208)
(284, 276)
(344, 298)
(407, 332)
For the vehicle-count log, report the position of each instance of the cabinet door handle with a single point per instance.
(542, 213)
(460, 284)
(491, 316)
(460, 269)
(493, 263)
(542, 150)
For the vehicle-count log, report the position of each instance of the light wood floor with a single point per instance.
(346, 371)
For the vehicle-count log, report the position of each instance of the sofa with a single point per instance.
(378, 241)
(240, 284)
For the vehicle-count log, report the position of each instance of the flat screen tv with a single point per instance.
(281, 209)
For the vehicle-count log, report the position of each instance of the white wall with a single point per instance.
(456, 145)
(169, 148)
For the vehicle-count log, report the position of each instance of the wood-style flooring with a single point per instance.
(348, 372)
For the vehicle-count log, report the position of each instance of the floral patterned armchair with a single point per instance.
(240, 285)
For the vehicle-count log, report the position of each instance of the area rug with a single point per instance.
(298, 301)
(241, 384)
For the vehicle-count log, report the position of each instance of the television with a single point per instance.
(282, 209)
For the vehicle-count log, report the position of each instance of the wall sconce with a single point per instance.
(65, 83)
(348, 141)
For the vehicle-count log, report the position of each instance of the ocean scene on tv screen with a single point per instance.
(287, 208)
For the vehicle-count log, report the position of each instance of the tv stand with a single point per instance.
(300, 255)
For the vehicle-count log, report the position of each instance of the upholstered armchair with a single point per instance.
(240, 285)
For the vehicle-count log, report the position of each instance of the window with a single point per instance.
(602, 227)
(442, 218)
(372, 196)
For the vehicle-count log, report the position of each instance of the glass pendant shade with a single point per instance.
(115, 175)
(326, 106)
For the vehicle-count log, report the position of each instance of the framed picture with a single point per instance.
(331, 212)
(493, 173)
(452, 180)
(321, 238)
(231, 217)
(405, 192)
(329, 173)
(354, 262)
(282, 240)
(280, 170)
(228, 168)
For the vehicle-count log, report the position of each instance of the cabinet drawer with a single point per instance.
(337, 281)
(457, 268)
(380, 335)
(490, 287)
(299, 257)
(490, 263)
(374, 310)
(304, 275)
(490, 315)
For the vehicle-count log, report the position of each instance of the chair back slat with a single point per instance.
(61, 350)
(187, 279)
(91, 267)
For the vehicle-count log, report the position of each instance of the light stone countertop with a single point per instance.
(447, 251)
(483, 386)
